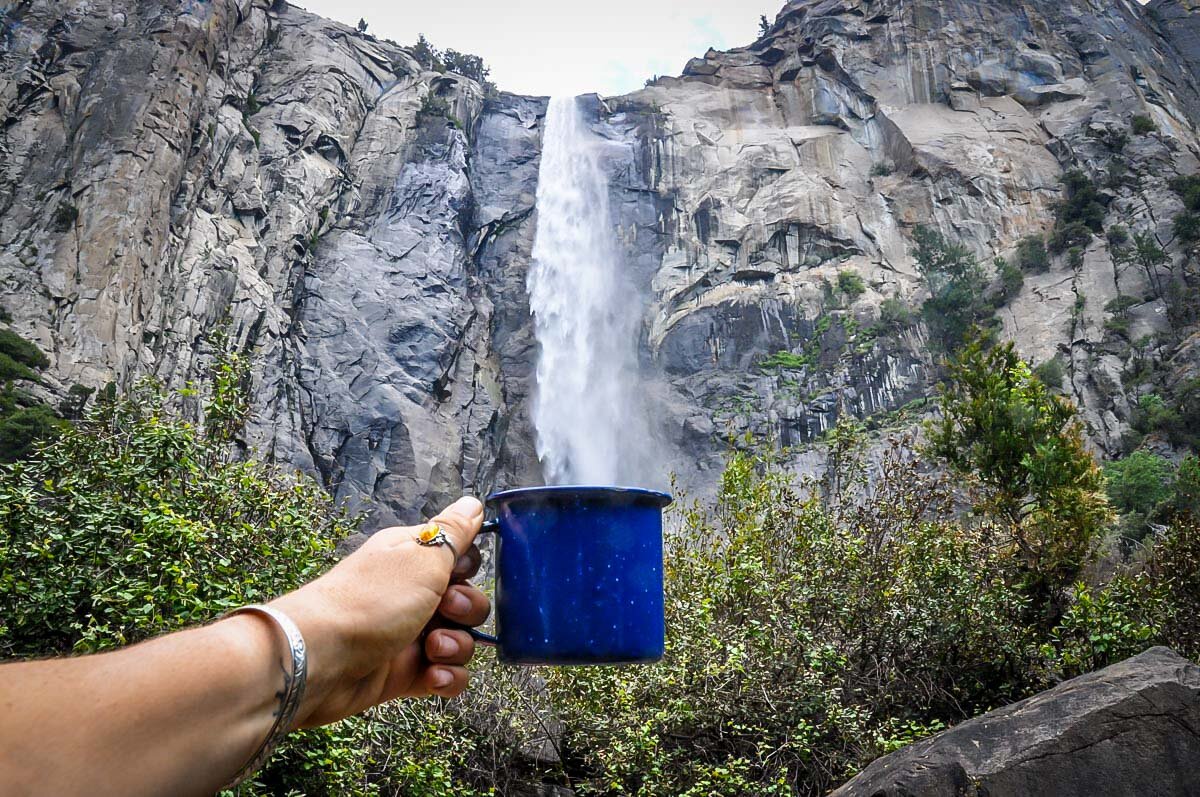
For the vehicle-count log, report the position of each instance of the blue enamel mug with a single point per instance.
(579, 575)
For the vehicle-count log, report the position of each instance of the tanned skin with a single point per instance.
(181, 714)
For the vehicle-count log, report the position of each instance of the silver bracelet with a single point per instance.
(289, 697)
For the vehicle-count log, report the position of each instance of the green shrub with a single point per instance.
(1187, 226)
(1139, 483)
(21, 350)
(804, 639)
(65, 216)
(1024, 447)
(1121, 304)
(1051, 372)
(1079, 215)
(1141, 125)
(1032, 256)
(785, 360)
(894, 316)
(850, 283)
(433, 106)
(1117, 235)
(134, 523)
(882, 169)
(1188, 189)
(956, 288)
(1010, 279)
(1153, 414)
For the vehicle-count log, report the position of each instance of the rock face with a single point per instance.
(1132, 728)
(362, 226)
(170, 169)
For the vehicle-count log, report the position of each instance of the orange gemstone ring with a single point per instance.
(432, 534)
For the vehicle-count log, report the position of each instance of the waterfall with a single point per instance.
(589, 411)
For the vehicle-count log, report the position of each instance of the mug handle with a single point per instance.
(489, 527)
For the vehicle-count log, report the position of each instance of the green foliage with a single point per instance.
(1080, 214)
(850, 283)
(764, 25)
(22, 351)
(1117, 235)
(24, 422)
(882, 169)
(1121, 305)
(426, 55)
(134, 523)
(894, 316)
(805, 637)
(433, 106)
(1051, 372)
(465, 64)
(361, 27)
(1032, 255)
(65, 215)
(1010, 279)
(956, 284)
(785, 360)
(1153, 414)
(1141, 125)
(1003, 429)
(1188, 189)
(1186, 226)
(1139, 483)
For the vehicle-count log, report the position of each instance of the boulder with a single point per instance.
(1129, 729)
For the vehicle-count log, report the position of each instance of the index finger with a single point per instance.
(461, 522)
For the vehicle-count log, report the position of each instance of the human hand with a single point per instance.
(369, 624)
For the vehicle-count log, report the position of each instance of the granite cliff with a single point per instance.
(362, 225)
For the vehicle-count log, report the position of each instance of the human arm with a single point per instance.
(181, 714)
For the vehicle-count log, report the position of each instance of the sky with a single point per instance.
(564, 47)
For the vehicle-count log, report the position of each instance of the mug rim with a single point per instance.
(656, 497)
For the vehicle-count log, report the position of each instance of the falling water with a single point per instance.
(588, 413)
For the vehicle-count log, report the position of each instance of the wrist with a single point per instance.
(327, 640)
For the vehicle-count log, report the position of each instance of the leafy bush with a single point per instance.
(1002, 429)
(65, 216)
(433, 106)
(956, 284)
(133, 486)
(1051, 372)
(851, 284)
(894, 316)
(1010, 281)
(1032, 255)
(1141, 125)
(882, 169)
(785, 360)
(804, 639)
(1080, 214)
(1138, 483)
(1121, 304)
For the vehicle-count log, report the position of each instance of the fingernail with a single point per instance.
(467, 505)
(446, 646)
(456, 603)
(442, 678)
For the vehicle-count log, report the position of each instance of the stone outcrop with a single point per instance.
(171, 169)
(1132, 728)
(362, 226)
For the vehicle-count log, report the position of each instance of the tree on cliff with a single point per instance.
(956, 286)
(1023, 446)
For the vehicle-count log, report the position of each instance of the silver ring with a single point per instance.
(432, 534)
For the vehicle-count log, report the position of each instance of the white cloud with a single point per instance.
(556, 47)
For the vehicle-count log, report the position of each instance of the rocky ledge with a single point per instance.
(1129, 729)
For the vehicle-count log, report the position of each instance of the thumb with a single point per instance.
(461, 521)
